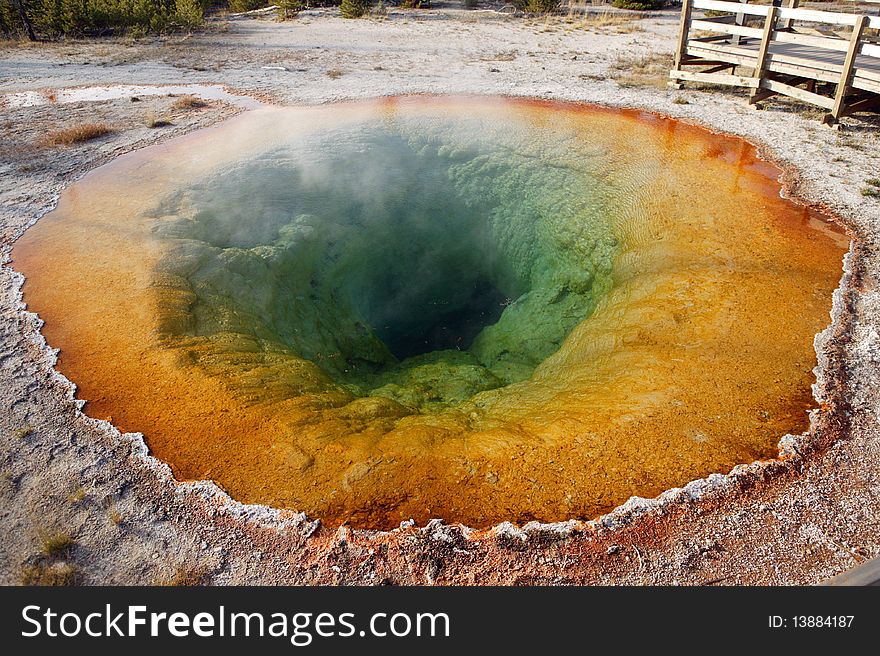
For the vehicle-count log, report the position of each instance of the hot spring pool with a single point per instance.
(473, 309)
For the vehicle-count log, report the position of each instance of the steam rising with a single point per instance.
(419, 262)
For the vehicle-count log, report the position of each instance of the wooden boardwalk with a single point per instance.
(828, 59)
(865, 574)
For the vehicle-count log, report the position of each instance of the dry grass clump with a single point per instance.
(606, 20)
(114, 515)
(57, 545)
(873, 188)
(189, 102)
(52, 566)
(334, 73)
(187, 577)
(154, 121)
(585, 16)
(50, 574)
(76, 134)
(504, 55)
(642, 70)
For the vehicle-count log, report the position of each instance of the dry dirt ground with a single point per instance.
(81, 503)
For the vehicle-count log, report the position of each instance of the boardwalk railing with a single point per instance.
(828, 59)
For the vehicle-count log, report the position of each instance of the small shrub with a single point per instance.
(638, 5)
(871, 192)
(138, 31)
(679, 100)
(77, 495)
(241, 6)
(50, 574)
(53, 18)
(334, 73)
(536, 6)
(76, 134)
(153, 121)
(23, 432)
(189, 14)
(289, 8)
(874, 182)
(189, 102)
(57, 545)
(187, 577)
(353, 8)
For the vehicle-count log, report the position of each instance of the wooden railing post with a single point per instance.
(739, 20)
(846, 73)
(763, 49)
(683, 30)
(786, 24)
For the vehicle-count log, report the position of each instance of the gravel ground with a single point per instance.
(811, 514)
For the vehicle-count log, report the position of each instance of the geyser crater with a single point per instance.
(473, 309)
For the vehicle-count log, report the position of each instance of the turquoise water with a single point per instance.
(420, 262)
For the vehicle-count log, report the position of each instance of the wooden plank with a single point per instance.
(865, 84)
(806, 62)
(714, 78)
(839, 44)
(728, 20)
(719, 67)
(813, 16)
(733, 59)
(865, 105)
(701, 61)
(821, 30)
(867, 73)
(824, 42)
(752, 32)
(731, 7)
(739, 20)
(801, 71)
(799, 94)
(709, 39)
(761, 94)
(683, 28)
(786, 24)
(769, 27)
(867, 573)
(847, 71)
(797, 14)
(738, 51)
